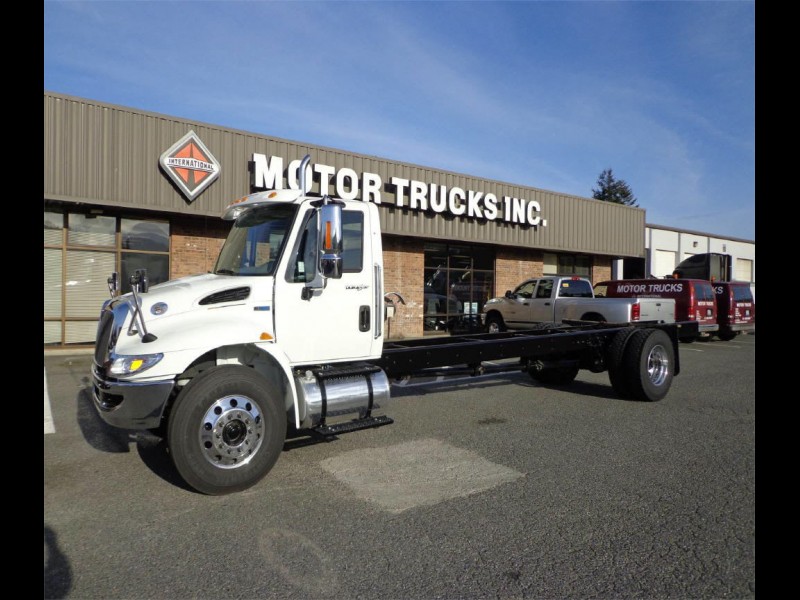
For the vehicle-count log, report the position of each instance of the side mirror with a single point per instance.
(113, 284)
(330, 237)
(331, 266)
(509, 295)
(140, 281)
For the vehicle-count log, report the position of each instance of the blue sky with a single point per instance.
(544, 94)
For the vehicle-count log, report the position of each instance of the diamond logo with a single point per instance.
(190, 165)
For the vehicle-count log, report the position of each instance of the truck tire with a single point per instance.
(614, 360)
(727, 336)
(494, 323)
(648, 364)
(226, 429)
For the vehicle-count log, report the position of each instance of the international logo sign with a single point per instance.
(190, 165)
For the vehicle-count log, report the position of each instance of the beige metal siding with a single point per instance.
(108, 155)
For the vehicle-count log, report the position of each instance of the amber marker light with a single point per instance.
(265, 337)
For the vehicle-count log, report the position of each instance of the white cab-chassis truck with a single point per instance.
(287, 334)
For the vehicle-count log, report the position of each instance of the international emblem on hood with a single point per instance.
(190, 165)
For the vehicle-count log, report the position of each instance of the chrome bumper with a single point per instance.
(130, 405)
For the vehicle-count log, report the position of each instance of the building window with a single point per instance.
(567, 264)
(81, 250)
(459, 279)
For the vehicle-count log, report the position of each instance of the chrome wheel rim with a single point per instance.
(231, 431)
(658, 365)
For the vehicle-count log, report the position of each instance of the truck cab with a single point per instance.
(533, 301)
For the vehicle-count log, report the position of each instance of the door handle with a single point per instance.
(363, 318)
(547, 303)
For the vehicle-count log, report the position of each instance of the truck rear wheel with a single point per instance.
(615, 354)
(226, 429)
(648, 364)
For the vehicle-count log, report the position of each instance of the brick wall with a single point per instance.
(195, 245)
(513, 266)
(404, 272)
(601, 269)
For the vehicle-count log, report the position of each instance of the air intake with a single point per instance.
(231, 295)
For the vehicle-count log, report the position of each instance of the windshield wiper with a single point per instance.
(224, 272)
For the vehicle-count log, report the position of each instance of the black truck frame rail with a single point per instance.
(585, 343)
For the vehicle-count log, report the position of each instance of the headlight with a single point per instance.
(127, 365)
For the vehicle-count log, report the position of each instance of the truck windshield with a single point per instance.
(256, 241)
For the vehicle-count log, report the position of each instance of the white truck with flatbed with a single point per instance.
(287, 333)
(568, 299)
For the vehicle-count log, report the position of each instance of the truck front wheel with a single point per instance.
(648, 364)
(226, 429)
(494, 323)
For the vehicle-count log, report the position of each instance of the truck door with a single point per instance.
(339, 321)
(542, 309)
(518, 307)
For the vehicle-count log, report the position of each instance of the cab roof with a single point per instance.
(237, 207)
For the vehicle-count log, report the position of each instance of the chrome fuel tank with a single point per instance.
(347, 391)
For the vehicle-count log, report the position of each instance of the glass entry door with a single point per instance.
(459, 279)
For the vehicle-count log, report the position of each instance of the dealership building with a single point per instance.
(126, 189)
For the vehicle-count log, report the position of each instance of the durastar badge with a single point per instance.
(190, 165)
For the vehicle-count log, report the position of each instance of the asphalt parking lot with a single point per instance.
(487, 487)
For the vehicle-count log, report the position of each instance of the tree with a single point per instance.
(610, 189)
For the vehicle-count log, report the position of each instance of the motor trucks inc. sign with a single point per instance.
(268, 173)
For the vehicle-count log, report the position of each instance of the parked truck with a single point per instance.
(558, 299)
(693, 300)
(287, 334)
(711, 266)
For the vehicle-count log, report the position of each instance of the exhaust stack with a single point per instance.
(302, 175)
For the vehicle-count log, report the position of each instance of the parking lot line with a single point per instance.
(49, 426)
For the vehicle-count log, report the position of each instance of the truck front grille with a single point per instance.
(111, 321)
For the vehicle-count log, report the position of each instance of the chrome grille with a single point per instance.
(112, 319)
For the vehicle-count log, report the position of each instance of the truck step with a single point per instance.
(344, 372)
(354, 425)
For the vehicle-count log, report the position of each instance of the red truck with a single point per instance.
(736, 308)
(695, 299)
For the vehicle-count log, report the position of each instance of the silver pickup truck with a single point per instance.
(554, 299)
